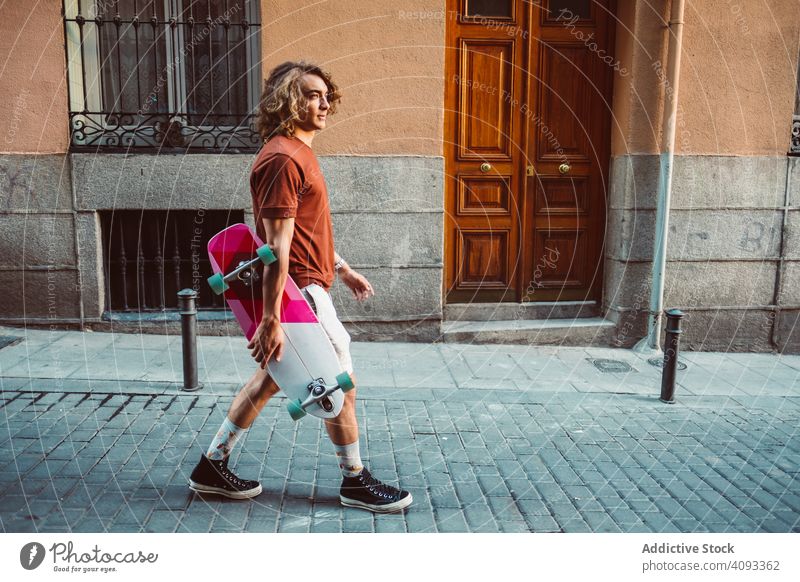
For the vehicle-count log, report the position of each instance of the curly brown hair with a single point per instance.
(281, 99)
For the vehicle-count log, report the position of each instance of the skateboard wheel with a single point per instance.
(266, 255)
(295, 410)
(345, 382)
(217, 283)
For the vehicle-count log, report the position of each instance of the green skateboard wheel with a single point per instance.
(266, 255)
(295, 410)
(217, 283)
(345, 382)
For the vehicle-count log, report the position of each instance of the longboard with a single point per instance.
(309, 372)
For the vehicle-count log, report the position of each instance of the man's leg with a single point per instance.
(211, 475)
(343, 432)
(343, 429)
(253, 396)
(359, 487)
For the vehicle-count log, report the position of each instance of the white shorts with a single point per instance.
(322, 304)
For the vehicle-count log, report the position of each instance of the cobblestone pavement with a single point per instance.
(479, 460)
(95, 435)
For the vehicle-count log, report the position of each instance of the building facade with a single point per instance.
(493, 166)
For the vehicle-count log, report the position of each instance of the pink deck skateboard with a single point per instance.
(309, 372)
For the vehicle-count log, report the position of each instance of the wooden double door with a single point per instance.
(527, 138)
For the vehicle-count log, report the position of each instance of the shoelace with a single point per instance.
(377, 488)
(230, 477)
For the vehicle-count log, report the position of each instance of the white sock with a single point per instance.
(349, 459)
(223, 442)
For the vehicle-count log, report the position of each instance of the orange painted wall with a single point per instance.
(33, 88)
(738, 77)
(739, 68)
(388, 58)
(637, 100)
(739, 74)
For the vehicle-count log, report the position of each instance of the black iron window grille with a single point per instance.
(150, 255)
(163, 74)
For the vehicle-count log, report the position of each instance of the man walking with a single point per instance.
(292, 213)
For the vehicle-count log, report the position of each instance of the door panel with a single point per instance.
(483, 135)
(564, 104)
(555, 195)
(562, 261)
(485, 77)
(483, 258)
(568, 141)
(480, 195)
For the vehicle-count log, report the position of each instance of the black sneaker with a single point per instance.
(366, 492)
(211, 476)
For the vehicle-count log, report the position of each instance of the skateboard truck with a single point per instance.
(317, 389)
(243, 272)
(248, 276)
(318, 394)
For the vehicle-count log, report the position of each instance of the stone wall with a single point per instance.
(387, 212)
(389, 224)
(729, 238)
(39, 267)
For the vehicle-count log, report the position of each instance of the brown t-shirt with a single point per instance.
(286, 182)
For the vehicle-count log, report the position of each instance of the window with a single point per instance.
(163, 73)
(150, 255)
(489, 8)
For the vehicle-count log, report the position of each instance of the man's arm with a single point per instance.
(268, 338)
(356, 282)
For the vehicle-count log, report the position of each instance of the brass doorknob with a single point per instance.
(564, 168)
(485, 167)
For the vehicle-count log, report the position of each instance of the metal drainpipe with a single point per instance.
(776, 296)
(669, 122)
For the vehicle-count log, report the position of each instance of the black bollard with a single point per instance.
(670, 355)
(188, 310)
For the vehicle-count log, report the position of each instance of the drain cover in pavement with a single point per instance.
(611, 366)
(659, 363)
(8, 340)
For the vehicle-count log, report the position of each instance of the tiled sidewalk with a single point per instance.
(487, 438)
